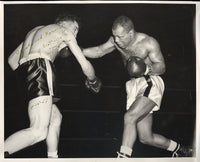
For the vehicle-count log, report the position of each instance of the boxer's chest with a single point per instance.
(134, 50)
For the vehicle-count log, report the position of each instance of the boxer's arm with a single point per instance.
(155, 55)
(86, 66)
(13, 59)
(99, 51)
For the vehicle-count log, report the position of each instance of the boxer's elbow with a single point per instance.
(12, 63)
(158, 69)
(9, 60)
(162, 69)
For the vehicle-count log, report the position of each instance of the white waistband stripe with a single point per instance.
(33, 56)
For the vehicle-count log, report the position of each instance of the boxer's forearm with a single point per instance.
(86, 66)
(99, 51)
(88, 70)
(93, 52)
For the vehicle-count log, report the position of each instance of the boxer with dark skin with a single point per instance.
(142, 56)
(34, 58)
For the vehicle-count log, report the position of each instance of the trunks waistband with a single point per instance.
(33, 56)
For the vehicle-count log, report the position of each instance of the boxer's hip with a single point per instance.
(33, 56)
(148, 86)
(39, 75)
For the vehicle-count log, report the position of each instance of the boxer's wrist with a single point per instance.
(93, 85)
(148, 70)
(93, 81)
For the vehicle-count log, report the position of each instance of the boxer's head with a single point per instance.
(72, 22)
(123, 31)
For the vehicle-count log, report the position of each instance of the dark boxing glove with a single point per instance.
(65, 52)
(136, 67)
(94, 85)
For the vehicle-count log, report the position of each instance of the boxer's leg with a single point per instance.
(137, 111)
(39, 111)
(54, 132)
(146, 135)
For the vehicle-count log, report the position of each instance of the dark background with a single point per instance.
(92, 124)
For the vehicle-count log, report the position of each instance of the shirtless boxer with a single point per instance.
(34, 59)
(143, 58)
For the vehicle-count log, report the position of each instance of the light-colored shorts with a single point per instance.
(149, 86)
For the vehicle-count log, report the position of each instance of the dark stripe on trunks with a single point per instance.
(149, 82)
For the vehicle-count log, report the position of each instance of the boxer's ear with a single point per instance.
(131, 32)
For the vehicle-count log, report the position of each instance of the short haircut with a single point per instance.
(65, 16)
(123, 21)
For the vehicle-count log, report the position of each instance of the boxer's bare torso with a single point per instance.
(140, 47)
(45, 40)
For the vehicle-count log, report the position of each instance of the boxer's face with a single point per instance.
(121, 37)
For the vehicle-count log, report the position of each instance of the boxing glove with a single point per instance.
(94, 85)
(65, 52)
(136, 67)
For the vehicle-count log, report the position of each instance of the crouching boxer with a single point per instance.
(34, 59)
(143, 58)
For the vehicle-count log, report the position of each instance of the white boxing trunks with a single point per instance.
(148, 86)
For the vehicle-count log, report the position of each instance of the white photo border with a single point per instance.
(196, 35)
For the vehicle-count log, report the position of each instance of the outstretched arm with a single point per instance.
(92, 82)
(101, 50)
(13, 59)
(86, 66)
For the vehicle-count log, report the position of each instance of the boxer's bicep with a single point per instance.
(13, 59)
(156, 57)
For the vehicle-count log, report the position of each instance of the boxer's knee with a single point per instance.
(130, 118)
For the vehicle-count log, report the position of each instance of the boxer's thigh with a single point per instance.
(141, 107)
(39, 111)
